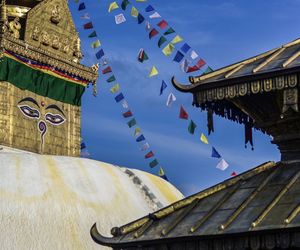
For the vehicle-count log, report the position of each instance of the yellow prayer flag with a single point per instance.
(176, 39)
(134, 12)
(203, 139)
(96, 44)
(168, 49)
(137, 131)
(153, 72)
(113, 6)
(115, 88)
(161, 172)
(141, 0)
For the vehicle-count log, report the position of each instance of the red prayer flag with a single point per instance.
(183, 114)
(200, 63)
(127, 114)
(106, 70)
(192, 69)
(149, 155)
(153, 33)
(88, 26)
(233, 174)
(162, 24)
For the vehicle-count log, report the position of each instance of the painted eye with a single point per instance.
(29, 111)
(55, 119)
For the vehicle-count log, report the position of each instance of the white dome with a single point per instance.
(51, 202)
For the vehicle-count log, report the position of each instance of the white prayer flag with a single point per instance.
(222, 165)
(148, 26)
(194, 55)
(155, 15)
(145, 146)
(125, 104)
(120, 19)
(85, 16)
(171, 99)
(184, 65)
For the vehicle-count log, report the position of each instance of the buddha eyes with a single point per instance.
(54, 119)
(29, 111)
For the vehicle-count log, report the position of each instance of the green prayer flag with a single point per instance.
(208, 70)
(161, 40)
(111, 79)
(169, 31)
(93, 34)
(153, 163)
(124, 4)
(131, 123)
(192, 127)
(96, 44)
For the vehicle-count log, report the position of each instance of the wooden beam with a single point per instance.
(291, 59)
(268, 60)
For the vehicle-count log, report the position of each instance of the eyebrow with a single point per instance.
(29, 99)
(53, 106)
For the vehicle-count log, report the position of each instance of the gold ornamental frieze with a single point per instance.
(254, 87)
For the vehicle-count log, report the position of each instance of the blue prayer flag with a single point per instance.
(119, 97)
(140, 138)
(185, 48)
(163, 87)
(149, 8)
(215, 153)
(82, 146)
(178, 57)
(99, 54)
(81, 6)
(140, 18)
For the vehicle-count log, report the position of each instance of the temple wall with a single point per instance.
(21, 130)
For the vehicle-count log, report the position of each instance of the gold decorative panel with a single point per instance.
(38, 124)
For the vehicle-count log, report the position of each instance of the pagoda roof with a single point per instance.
(282, 60)
(263, 199)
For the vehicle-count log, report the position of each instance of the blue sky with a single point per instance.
(221, 32)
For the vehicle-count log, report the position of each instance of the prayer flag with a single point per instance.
(192, 69)
(145, 146)
(127, 114)
(76, 1)
(192, 127)
(142, 56)
(137, 131)
(153, 163)
(131, 123)
(222, 165)
(140, 138)
(115, 88)
(178, 57)
(163, 87)
(96, 44)
(149, 8)
(153, 33)
(176, 39)
(200, 63)
(194, 55)
(171, 99)
(93, 34)
(99, 54)
(141, 1)
(203, 139)
(215, 153)
(120, 19)
(149, 155)
(162, 175)
(161, 40)
(88, 26)
(185, 48)
(111, 79)
(124, 104)
(124, 4)
(169, 31)
(140, 18)
(81, 6)
(106, 70)
(183, 114)
(148, 26)
(155, 15)
(113, 6)
(134, 12)
(82, 146)
(153, 72)
(85, 16)
(233, 174)
(168, 50)
(162, 24)
(119, 97)
(208, 70)
(184, 65)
